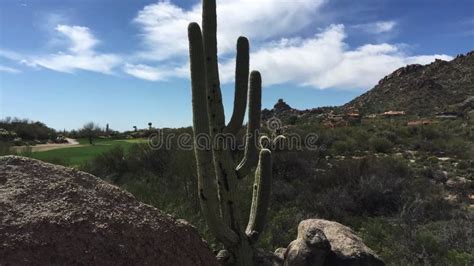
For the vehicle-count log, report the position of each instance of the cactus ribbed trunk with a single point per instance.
(218, 174)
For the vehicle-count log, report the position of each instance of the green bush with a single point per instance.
(437, 243)
(5, 148)
(464, 165)
(382, 145)
(430, 132)
(433, 160)
(341, 147)
(26, 130)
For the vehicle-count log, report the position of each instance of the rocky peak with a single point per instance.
(281, 106)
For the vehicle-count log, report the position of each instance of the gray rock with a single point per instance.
(280, 253)
(51, 214)
(458, 182)
(346, 248)
(310, 248)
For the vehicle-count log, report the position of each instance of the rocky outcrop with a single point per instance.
(441, 86)
(55, 215)
(281, 106)
(310, 248)
(322, 242)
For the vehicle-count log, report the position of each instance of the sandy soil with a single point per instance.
(48, 147)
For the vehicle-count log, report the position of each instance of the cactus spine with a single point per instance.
(218, 174)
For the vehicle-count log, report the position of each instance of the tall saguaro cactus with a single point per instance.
(218, 174)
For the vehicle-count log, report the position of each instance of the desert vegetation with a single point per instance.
(404, 201)
(407, 190)
(16, 131)
(400, 172)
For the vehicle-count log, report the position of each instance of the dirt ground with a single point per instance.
(48, 147)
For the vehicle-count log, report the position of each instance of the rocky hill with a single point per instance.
(289, 115)
(53, 215)
(422, 90)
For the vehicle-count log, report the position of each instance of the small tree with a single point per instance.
(135, 128)
(91, 131)
(149, 125)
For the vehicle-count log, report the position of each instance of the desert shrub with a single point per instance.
(360, 137)
(117, 163)
(433, 160)
(142, 158)
(390, 136)
(381, 145)
(402, 132)
(110, 164)
(292, 119)
(464, 164)
(341, 147)
(289, 166)
(283, 227)
(364, 187)
(430, 132)
(27, 130)
(447, 242)
(430, 146)
(460, 148)
(5, 148)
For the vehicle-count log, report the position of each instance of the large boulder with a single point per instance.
(310, 248)
(344, 247)
(51, 214)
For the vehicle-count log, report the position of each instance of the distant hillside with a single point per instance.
(438, 87)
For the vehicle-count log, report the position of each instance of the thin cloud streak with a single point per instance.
(10, 70)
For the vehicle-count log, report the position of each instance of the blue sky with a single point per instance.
(67, 62)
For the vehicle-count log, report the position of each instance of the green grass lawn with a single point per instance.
(75, 156)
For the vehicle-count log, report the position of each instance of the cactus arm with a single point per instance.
(206, 181)
(261, 195)
(253, 127)
(241, 86)
(209, 29)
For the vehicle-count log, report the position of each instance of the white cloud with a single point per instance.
(9, 70)
(144, 72)
(102, 63)
(326, 61)
(82, 41)
(81, 54)
(155, 73)
(11, 55)
(322, 61)
(164, 24)
(384, 26)
(377, 27)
